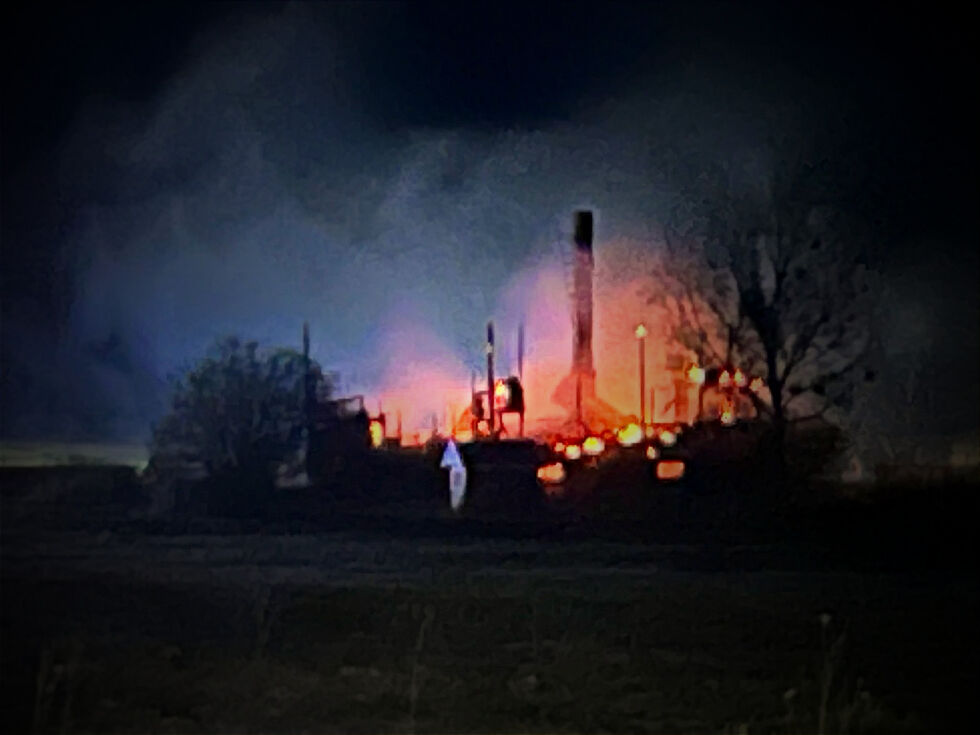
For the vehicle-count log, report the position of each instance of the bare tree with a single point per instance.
(767, 269)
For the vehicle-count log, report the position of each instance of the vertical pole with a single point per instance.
(653, 405)
(643, 382)
(520, 353)
(473, 422)
(490, 408)
(520, 370)
(307, 378)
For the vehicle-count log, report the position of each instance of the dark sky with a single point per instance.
(175, 172)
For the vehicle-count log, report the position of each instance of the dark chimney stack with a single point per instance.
(582, 364)
(583, 231)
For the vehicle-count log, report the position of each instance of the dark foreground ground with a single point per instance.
(213, 627)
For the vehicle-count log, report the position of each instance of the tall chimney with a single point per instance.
(582, 364)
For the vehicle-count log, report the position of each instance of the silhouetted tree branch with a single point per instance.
(768, 270)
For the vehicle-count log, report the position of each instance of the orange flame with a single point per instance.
(501, 395)
(727, 415)
(725, 379)
(573, 451)
(377, 433)
(756, 385)
(651, 452)
(629, 435)
(552, 474)
(695, 374)
(667, 437)
(671, 469)
(593, 446)
(740, 379)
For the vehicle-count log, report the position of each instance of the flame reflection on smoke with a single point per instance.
(429, 382)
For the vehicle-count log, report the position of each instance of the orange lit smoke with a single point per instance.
(424, 377)
(421, 379)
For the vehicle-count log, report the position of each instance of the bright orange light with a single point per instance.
(377, 432)
(670, 469)
(651, 452)
(629, 435)
(641, 331)
(667, 437)
(464, 437)
(740, 379)
(695, 374)
(501, 394)
(755, 385)
(551, 474)
(725, 379)
(593, 445)
(573, 451)
(559, 446)
(727, 415)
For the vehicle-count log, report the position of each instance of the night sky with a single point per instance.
(176, 173)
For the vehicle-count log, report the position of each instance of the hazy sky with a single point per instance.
(397, 175)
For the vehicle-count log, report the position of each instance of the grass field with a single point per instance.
(346, 633)
(114, 628)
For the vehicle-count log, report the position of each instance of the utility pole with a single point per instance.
(490, 407)
(520, 353)
(520, 371)
(641, 334)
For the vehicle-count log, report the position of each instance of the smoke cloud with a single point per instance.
(261, 187)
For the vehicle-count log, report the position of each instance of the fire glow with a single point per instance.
(593, 446)
(552, 474)
(630, 435)
(670, 469)
(428, 383)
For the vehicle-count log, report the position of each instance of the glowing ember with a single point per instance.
(727, 415)
(593, 445)
(756, 385)
(672, 469)
(377, 432)
(551, 474)
(573, 451)
(695, 374)
(559, 446)
(651, 453)
(725, 379)
(667, 437)
(629, 435)
(501, 395)
(740, 380)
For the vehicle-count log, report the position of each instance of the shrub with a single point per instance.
(237, 416)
